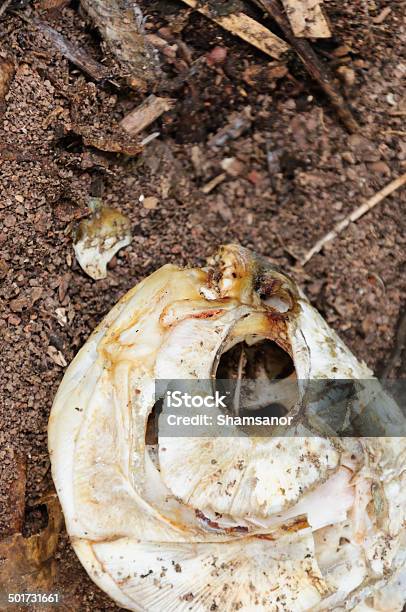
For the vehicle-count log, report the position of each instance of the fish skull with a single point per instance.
(301, 522)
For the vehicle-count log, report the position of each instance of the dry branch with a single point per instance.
(317, 70)
(356, 214)
(307, 18)
(121, 24)
(73, 53)
(145, 114)
(245, 28)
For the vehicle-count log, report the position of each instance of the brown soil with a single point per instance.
(297, 172)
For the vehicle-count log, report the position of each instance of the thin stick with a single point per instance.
(74, 54)
(318, 71)
(354, 216)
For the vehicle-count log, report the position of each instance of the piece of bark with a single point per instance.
(317, 70)
(121, 25)
(7, 71)
(395, 358)
(306, 18)
(53, 5)
(110, 141)
(16, 497)
(73, 53)
(246, 28)
(146, 113)
(28, 564)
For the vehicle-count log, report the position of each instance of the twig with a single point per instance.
(398, 348)
(307, 18)
(394, 132)
(121, 25)
(74, 54)
(354, 216)
(144, 114)
(208, 187)
(246, 28)
(318, 71)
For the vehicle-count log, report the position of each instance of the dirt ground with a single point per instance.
(295, 172)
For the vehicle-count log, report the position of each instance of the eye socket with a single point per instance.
(277, 303)
(275, 293)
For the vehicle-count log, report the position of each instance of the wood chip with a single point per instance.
(246, 28)
(121, 25)
(146, 113)
(307, 18)
(112, 141)
(150, 203)
(213, 183)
